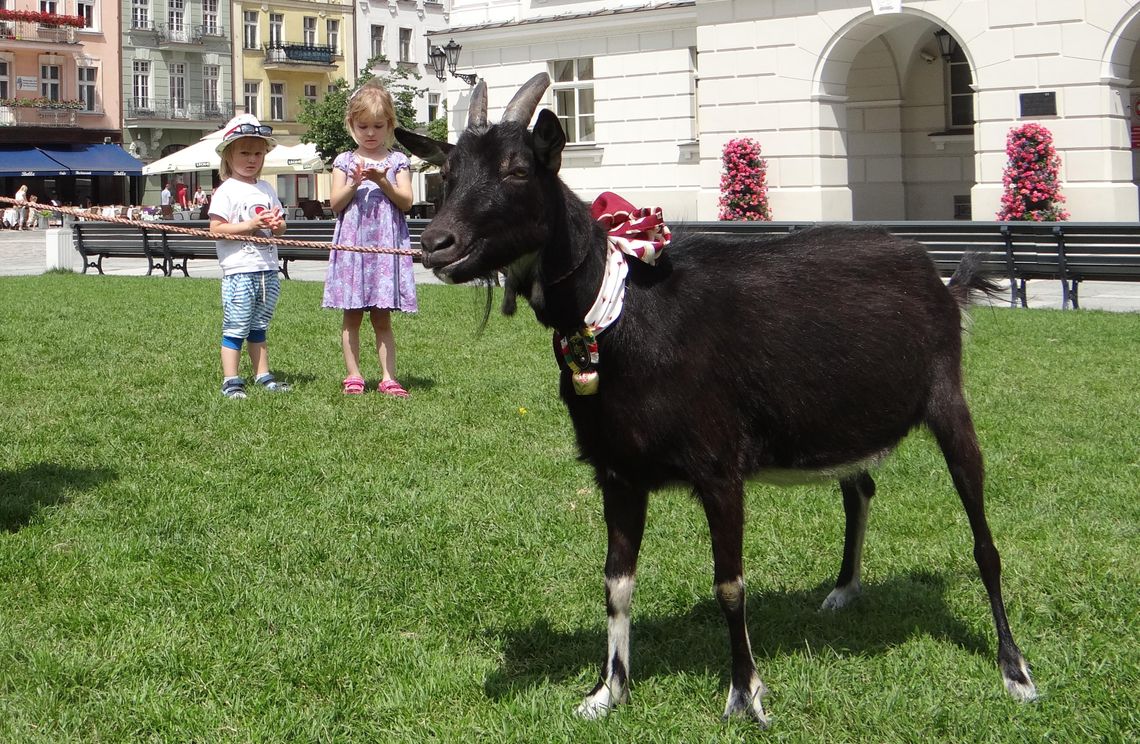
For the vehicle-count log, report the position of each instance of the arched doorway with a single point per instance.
(905, 107)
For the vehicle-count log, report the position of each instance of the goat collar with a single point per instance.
(640, 233)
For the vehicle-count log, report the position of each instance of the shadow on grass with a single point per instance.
(779, 623)
(25, 491)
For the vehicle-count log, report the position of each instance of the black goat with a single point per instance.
(806, 356)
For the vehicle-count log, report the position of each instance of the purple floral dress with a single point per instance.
(364, 280)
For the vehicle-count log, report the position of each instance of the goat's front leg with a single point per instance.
(625, 524)
(724, 509)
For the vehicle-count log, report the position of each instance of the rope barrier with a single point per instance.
(79, 212)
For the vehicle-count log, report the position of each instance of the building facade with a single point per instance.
(60, 114)
(176, 73)
(287, 52)
(864, 110)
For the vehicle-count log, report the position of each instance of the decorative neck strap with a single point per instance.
(640, 233)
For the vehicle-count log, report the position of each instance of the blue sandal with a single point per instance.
(268, 382)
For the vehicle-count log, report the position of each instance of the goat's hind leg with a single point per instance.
(724, 509)
(857, 492)
(954, 430)
(625, 524)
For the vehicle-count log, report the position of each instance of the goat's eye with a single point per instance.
(518, 172)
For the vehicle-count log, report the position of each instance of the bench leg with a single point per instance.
(1073, 295)
(285, 267)
(1021, 293)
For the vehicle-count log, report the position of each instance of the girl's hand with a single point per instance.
(357, 174)
(265, 219)
(377, 174)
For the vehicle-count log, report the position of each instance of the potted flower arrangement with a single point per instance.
(1032, 177)
(743, 182)
(41, 102)
(42, 18)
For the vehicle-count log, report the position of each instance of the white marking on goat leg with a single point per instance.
(613, 690)
(1024, 692)
(746, 703)
(841, 596)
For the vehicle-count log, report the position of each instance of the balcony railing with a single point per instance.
(26, 116)
(172, 110)
(45, 33)
(285, 52)
(180, 33)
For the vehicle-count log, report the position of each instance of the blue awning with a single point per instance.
(95, 160)
(29, 161)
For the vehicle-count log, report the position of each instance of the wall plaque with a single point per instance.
(1039, 104)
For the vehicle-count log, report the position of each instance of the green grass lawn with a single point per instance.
(175, 567)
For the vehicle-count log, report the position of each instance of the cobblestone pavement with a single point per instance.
(25, 252)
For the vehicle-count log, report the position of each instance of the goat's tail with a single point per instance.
(969, 284)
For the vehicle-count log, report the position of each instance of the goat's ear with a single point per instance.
(433, 151)
(549, 139)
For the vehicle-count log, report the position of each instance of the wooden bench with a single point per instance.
(96, 241)
(1096, 251)
(169, 251)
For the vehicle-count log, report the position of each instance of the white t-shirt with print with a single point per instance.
(238, 201)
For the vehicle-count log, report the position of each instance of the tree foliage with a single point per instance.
(324, 118)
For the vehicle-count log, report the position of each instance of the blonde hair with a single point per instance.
(371, 100)
(224, 169)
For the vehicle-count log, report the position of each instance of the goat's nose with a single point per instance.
(437, 244)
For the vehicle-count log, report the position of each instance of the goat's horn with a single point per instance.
(522, 106)
(477, 111)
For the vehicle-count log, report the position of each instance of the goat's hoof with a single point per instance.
(841, 596)
(1018, 682)
(746, 703)
(600, 702)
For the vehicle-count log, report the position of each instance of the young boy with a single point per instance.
(245, 205)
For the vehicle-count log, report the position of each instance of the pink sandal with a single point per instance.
(393, 388)
(354, 385)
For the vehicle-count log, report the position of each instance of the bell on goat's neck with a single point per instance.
(585, 383)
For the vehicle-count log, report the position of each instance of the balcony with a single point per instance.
(166, 110)
(37, 32)
(283, 55)
(179, 34)
(37, 113)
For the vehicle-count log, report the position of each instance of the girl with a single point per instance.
(371, 190)
(246, 205)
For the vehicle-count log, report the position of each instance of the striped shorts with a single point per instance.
(248, 301)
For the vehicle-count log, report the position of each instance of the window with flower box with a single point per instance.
(48, 6)
(85, 9)
(573, 87)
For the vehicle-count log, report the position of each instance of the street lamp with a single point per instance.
(438, 63)
(449, 53)
(946, 43)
